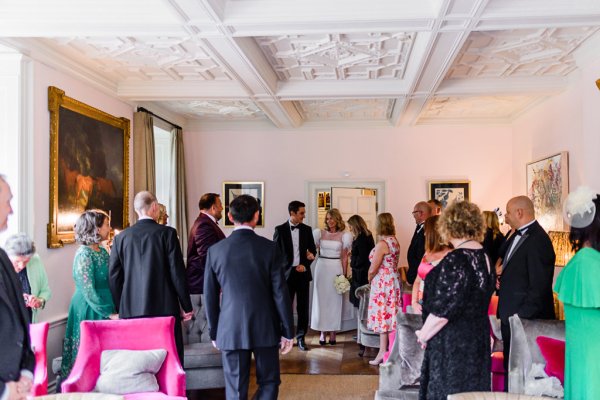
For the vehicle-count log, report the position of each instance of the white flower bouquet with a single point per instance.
(341, 284)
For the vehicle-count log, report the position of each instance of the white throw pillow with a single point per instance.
(129, 371)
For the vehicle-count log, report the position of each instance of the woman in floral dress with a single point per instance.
(92, 299)
(385, 299)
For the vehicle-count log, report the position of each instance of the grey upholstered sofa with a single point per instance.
(202, 362)
(364, 335)
(524, 350)
(399, 376)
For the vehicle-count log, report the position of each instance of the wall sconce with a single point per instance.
(562, 247)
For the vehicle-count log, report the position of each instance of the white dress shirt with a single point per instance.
(295, 244)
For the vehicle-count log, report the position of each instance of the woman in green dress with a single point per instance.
(578, 287)
(92, 299)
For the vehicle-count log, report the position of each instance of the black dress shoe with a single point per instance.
(302, 344)
(361, 352)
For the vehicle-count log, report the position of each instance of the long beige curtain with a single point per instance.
(177, 190)
(144, 175)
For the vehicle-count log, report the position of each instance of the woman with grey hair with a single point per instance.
(31, 271)
(92, 299)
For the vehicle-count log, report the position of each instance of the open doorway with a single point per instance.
(363, 198)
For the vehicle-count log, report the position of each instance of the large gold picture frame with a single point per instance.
(89, 165)
(233, 189)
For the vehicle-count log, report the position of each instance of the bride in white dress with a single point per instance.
(333, 245)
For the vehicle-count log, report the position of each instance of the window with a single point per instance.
(163, 145)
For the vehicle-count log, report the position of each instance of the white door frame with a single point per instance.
(312, 188)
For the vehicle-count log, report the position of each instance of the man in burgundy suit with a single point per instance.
(204, 233)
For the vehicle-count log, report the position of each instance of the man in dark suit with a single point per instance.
(146, 271)
(527, 271)
(204, 233)
(416, 249)
(295, 240)
(17, 359)
(247, 304)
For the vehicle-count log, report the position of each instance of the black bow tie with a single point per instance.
(294, 227)
(520, 232)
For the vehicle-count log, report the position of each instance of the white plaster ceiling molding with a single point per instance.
(145, 58)
(216, 110)
(521, 52)
(362, 109)
(493, 109)
(338, 56)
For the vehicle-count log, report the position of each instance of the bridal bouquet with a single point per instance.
(341, 284)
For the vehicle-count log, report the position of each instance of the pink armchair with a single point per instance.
(38, 333)
(127, 334)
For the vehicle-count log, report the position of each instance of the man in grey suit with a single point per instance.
(16, 358)
(248, 304)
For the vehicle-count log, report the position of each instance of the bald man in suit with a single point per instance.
(527, 271)
(17, 359)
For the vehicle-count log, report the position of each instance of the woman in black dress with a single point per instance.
(493, 238)
(362, 245)
(455, 333)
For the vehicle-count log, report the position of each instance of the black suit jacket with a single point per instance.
(415, 254)
(15, 348)
(146, 272)
(254, 309)
(204, 233)
(526, 281)
(283, 238)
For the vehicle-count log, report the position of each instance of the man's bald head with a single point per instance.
(421, 211)
(519, 211)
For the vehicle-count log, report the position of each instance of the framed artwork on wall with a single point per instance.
(89, 165)
(233, 189)
(448, 191)
(547, 187)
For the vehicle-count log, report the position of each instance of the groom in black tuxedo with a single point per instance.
(527, 271)
(295, 240)
(247, 304)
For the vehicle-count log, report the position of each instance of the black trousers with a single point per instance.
(299, 287)
(505, 330)
(236, 368)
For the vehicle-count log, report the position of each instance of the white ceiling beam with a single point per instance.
(350, 89)
(181, 90)
(504, 85)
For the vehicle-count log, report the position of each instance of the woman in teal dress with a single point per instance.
(578, 287)
(92, 299)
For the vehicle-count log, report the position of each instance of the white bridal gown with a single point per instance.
(326, 312)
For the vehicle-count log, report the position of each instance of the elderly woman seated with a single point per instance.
(29, 267)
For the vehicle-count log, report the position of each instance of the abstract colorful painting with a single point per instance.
(547, 187)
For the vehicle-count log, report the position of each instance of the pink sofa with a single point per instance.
(38, 333)
(127, 334)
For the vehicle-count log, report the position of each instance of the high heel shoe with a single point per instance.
(376, 361)
(332, 342)
(322, 342)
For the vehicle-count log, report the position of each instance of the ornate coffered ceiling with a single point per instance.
(403, 61)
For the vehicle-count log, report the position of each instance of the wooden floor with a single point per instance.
(341, 359)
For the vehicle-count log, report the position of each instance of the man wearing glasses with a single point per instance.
(416, 250)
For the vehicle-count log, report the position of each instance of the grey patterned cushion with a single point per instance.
(129, 371)
(403, 368)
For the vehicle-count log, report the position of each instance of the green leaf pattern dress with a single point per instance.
(92, 299)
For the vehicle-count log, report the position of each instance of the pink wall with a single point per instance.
(405, 158)
(58, 262)
(568, 122)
